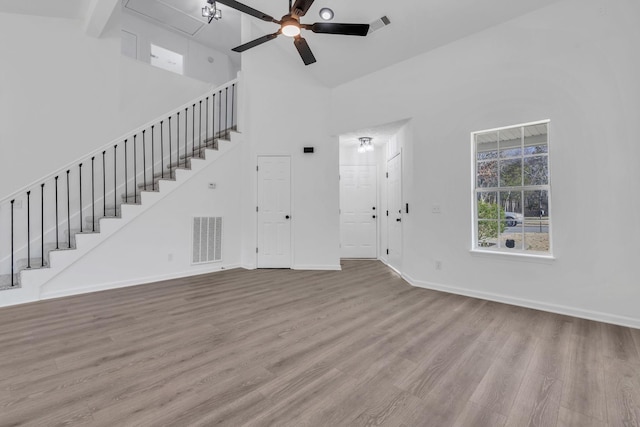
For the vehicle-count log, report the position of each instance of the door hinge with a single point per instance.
(387, 174)
(387, 213)
(257, 168)
(256, 209)
(256, 250)
(387, 251)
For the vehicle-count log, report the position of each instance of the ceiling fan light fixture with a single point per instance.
(206, 11)
(326, 14)
(211, 12)
(290, 27)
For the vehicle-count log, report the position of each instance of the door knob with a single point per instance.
(374, 216)
(287, 217)
(398, 219)
(374, 208)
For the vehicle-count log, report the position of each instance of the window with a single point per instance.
(512, 190)
(166, 59)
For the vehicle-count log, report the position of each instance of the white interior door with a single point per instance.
(394, 206)
(274, 212)
(358, 213)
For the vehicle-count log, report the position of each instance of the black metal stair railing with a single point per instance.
(112, 174)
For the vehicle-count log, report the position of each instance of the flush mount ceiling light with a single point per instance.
(211, 12)
(290, 26)
(326, 14)
(365, 144)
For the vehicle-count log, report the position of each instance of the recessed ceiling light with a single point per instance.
(326, 14)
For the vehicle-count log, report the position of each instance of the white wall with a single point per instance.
(286, 110)
(575, 63)
(157, 244)
(64, 94)
(196, 64)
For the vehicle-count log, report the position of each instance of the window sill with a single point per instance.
(514, 256)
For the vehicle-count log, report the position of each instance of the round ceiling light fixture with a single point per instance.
(326, 14)
(290, 27)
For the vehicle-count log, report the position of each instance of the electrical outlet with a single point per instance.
(436, 209)
(212, 186)
(438, 265)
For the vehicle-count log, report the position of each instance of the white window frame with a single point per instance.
(474, 197)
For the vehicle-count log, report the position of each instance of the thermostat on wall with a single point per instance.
(308, 150)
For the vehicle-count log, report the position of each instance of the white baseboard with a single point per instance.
(386, 262)
(537, 305)
(337, 267)
(133, 282)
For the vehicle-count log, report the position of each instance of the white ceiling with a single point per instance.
(417, 26)
(70, 9)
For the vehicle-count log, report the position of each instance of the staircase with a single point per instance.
(51, 223)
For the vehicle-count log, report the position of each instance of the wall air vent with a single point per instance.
(207, 240)
(379, 24)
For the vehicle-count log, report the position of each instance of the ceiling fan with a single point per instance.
(290, 26)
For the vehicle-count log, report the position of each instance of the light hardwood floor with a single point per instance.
(291, 348)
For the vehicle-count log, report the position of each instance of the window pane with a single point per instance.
(511, 142)
(487, 233)
(512, 219)
(536, 221)
(536, 139)
(511, 203)
(536, 170)
(487, 174)
(488, 205)
(487, 146)
(511, 173)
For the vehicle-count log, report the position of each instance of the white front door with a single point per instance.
(358, 213)
(394, 206)
(274, 212)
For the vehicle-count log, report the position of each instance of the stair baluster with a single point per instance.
(12, 247)
(135, 170)
(226, 111)
(162, 148)
(186, 137)
(178, 138)
(170, 150)
(93, 196)
(153, 161)
(126, 181)
(104, 185)
(28, 229)
(68, 211)
(42, 224)
(57, 233)
(193, 130)
(144, 160)
(80, 194)
(115, 180)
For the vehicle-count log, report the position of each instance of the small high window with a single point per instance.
(166, 59)
(512, 212)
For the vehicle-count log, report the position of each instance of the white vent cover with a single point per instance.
(207, 240)
(378, 24)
